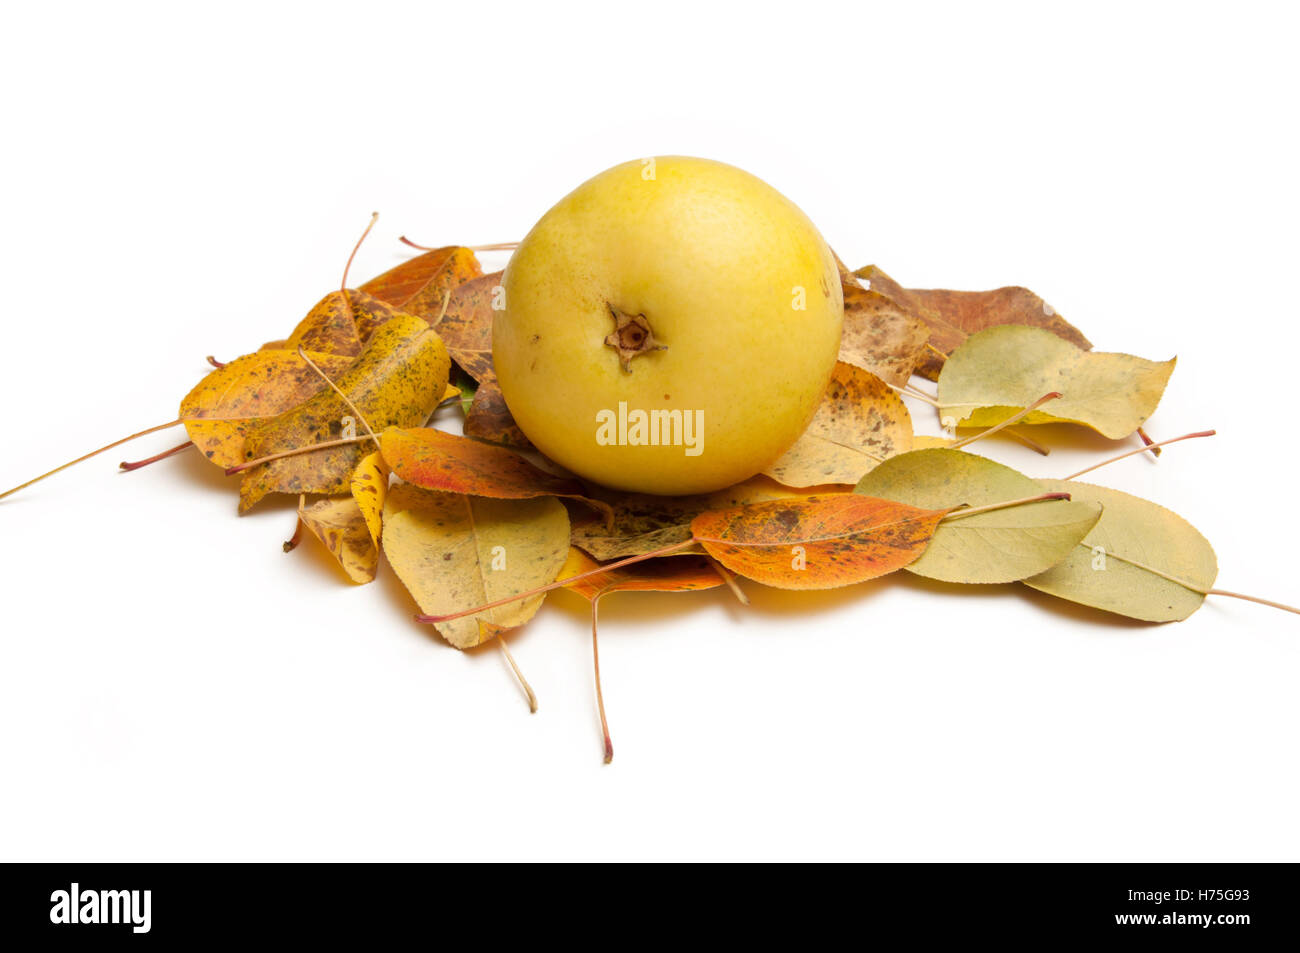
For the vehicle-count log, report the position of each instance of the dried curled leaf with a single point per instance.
(247, 389)
(952, 316)
(419, 286)
(396, 381)
(817, 542)
(488, 418)
(860, 423)
(455, 552)
(467, 326)
(341, 526)
(437, 460)
(879, 336)
(998, 546)
(1123, 564)
(643, 522)
(999, 372)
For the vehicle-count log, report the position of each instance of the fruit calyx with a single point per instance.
(632, 335)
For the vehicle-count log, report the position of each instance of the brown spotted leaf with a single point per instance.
(419, 286)
(818, 542)
(466, 328)
(328, 328)
(370, 490)
(879, 336)
(644, 523)
(860, 423)
(437, 460)
(397, 380)
(488, 418)
(952, 316)
(338, 324)
(247, 389)
(341, 526)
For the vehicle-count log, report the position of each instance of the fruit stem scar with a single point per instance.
(632, 335)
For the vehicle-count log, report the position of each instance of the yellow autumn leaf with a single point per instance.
(246, 390)
(340, 525)
(370, 490)
(455, 552)
(397, 381)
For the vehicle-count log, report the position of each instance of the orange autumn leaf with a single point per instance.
(644, 522)
(437, 460)
(817, 542)
(670, 574)
(419, 286)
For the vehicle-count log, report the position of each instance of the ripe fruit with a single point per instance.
(669, 327)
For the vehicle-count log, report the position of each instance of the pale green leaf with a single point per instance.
(999, 546)
(1000, 371)
(1123, 565)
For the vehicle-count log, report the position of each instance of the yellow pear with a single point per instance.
(669, 327)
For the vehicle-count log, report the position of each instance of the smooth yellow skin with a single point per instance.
(713, 258)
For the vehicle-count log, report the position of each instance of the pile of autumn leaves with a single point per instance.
(481, 518)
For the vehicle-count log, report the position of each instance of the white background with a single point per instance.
(176, 184)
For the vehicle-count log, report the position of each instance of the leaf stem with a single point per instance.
(559, 583)
(1151, 445)
(1029, 442)
(231, 471)
(730, 580)
(499, 246)
(156, 457)
(989, 507)
(343, 286)
(528, 689)
(346, 399)
(595, 663)
(215, 363)
(115, 443)
(292, 542)
(1194, 588)
(909, 391)
(1263, 602)
(1008, 422)
(1143, 449)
